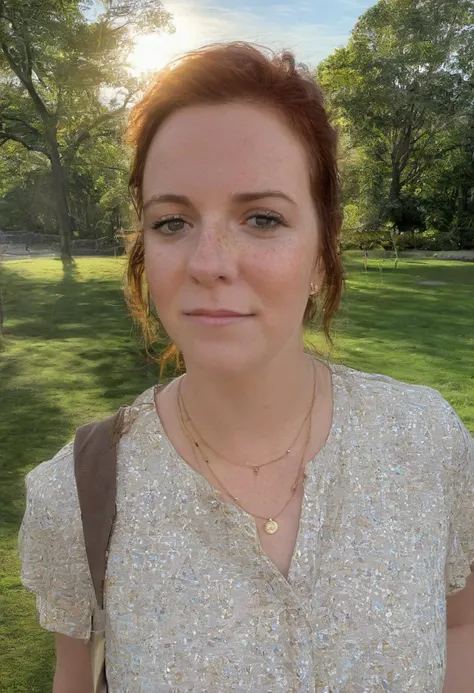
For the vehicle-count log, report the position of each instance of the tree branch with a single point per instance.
(29, 58)
(5, 116)
(40, 79)
(16, 69)
(114, 29)
(58, 101)
(5, 136)
(84, 135)
(28, 84)
(381, 157)
(431, 134)
(421, 169)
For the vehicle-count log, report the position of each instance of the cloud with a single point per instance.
(212, 22)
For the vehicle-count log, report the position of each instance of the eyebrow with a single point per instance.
(238, 198)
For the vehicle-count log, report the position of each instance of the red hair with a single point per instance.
(240, 72)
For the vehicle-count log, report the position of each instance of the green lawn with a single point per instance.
(70, 355)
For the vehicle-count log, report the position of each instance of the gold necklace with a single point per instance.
(255, 467)
(271, 526)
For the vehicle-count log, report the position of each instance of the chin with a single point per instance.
(224, 358)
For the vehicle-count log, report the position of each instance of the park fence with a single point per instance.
(32, 240)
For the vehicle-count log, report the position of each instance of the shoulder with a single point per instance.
(384, 386)
(408, 408)
(383, 389)
(140, 416)
(51, 547)
(56, 475)
(52, 502)
(52, 482)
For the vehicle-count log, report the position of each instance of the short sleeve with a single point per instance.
(460, 480)
(51, 548)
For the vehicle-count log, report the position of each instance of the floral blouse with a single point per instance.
(192, 603)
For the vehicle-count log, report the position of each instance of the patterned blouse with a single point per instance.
(192, 603)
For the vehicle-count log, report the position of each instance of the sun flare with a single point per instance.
(154, 51)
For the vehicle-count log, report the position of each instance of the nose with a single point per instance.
(213, 256)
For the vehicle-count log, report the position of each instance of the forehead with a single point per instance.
(225, 147)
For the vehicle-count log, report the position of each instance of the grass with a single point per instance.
(394, 324)
(69, 355)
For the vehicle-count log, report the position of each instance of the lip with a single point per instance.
(216, 318)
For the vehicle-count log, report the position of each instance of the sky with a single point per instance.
(311, 28)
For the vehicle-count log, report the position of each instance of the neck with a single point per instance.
(250, 414)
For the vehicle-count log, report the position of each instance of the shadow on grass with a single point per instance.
(69, 355)
(435, 320)
(419, 334)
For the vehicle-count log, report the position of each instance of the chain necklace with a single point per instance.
(271, 526)
(255, 467)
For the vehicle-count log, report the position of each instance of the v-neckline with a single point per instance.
(247, 521)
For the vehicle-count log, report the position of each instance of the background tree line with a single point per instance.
(401, 93)
(63, 168)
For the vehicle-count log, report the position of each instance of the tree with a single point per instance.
(448, 190)
(53, 63)
(404, 81)
(98, 181)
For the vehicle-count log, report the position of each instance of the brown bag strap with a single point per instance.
(95, 460)
(95, 466)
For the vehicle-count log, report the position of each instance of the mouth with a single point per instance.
(216, 318)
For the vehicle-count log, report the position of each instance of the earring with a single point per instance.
(314, 289)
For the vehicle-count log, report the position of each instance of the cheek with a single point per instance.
(152, 270)
(161, 271)
(283, 276)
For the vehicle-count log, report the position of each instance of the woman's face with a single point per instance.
(217, 243)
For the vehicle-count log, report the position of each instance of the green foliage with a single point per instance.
(401, 91)
(65, 86)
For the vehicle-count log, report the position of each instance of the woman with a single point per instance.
(283, 524)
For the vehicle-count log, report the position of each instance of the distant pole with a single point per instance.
(364, 260)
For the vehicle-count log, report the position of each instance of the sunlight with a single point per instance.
(154, 51)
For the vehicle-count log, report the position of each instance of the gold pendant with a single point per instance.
(271, 526)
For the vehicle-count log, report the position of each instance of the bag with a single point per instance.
(95, 464)
(95, 459)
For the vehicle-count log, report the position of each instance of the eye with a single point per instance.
(266, 218)
(162, 225)
(173, 225)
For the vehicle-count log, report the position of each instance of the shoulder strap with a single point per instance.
(95, 464)
(95, 459)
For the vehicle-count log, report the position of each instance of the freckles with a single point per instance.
(279, 260)
(279, 274)
(227, 241)
(156, 253)
(156, 269)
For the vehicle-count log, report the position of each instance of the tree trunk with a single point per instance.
(394, 196)
(1, 314)
(461, 215)
(394, 243)
(61, 193)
